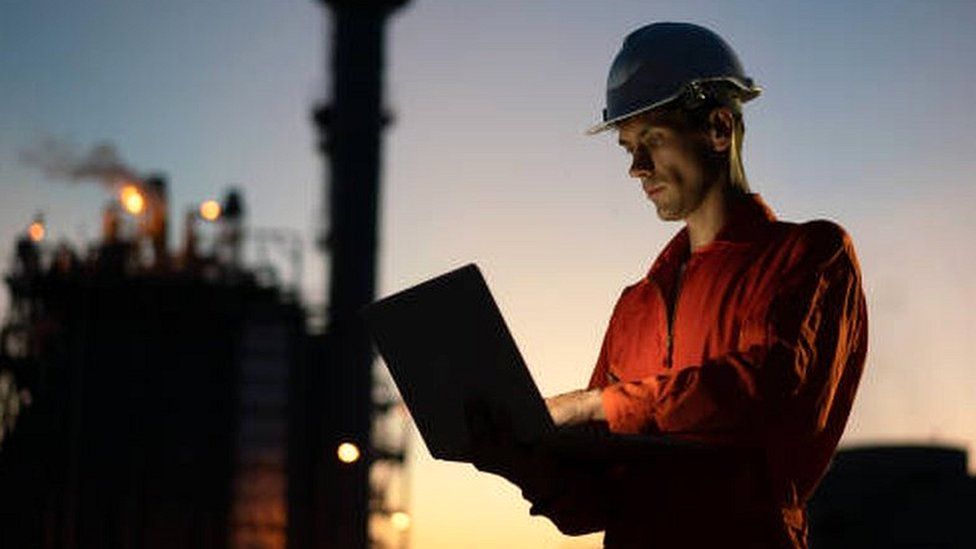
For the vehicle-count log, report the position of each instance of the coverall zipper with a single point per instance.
(674, 313)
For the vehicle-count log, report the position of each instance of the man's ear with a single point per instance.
(721, 124)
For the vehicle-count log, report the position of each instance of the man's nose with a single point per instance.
(641, 164)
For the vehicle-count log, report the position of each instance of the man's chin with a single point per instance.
(665, 214)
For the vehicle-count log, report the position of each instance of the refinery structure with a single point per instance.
(185, 396)
(178, 398)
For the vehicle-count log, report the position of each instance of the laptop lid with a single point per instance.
(445, 342)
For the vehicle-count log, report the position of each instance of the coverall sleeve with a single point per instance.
(601, 375)
(815, 329)
(601, 371)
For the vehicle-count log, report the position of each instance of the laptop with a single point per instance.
(445, 343)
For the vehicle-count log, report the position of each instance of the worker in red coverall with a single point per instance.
(748, 334)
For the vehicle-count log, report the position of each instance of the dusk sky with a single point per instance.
(866, 119)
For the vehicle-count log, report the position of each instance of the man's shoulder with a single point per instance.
(637, 287)
(825, 232)
(816, 242)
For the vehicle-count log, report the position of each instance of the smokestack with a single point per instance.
(232, 227)
(157, 220)
(189, 254)
(350, 135)
(110, 223)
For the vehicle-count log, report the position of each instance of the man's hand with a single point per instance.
(569, 495)
(493, 445)
(576, 407)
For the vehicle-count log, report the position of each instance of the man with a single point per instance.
(748, 335)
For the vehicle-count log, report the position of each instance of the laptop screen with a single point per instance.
(446, 343)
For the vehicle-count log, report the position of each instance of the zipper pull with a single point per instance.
(667, 363)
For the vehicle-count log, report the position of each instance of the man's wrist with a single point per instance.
(594, 405)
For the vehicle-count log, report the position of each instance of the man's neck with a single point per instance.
(710, 216)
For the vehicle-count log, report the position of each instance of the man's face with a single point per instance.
(669, 161)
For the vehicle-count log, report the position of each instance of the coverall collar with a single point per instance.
(747, 218)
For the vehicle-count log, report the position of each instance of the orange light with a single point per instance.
(400, 520)
(348, 452)
(210, 210)
(36, 231)
(132, 200)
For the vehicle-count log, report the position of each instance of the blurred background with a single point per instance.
(181, 249)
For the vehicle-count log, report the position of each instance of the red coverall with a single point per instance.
(758, 342)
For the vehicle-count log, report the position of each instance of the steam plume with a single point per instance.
(59, 159)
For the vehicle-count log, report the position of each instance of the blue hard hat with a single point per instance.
(661, 61)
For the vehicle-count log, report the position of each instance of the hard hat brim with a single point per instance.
(748, 93)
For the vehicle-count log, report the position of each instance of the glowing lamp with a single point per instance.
(210, 210)
(36, 231)
(400, 520)
(132, 200)
(348, 452)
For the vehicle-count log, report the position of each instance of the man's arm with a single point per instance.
(576, 407)
(816, 325)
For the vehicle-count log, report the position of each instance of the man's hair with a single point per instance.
(693, 108)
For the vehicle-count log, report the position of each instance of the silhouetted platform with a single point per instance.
(895, 496)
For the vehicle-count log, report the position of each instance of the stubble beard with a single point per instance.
(677, 201)
(667, 206)
(668, 215)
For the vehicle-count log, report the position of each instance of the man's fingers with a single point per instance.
(576, 407)
(551, 406)
(561, 406)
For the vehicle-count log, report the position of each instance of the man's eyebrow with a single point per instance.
(647, 132)
(640, 138)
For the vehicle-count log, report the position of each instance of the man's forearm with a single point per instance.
(576, 407)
